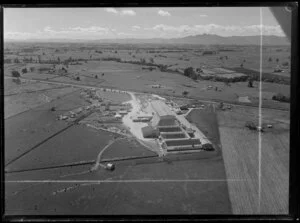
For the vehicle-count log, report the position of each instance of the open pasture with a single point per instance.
(76, 144)
(110, 65)
(135, 187)
(240, 147)
(24, 130)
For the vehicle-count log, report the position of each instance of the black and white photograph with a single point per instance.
(146, 110)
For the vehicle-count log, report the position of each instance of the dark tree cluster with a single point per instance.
(281, 97)
(189, 72)
(185, 93)
(24, 70)
(250, 125)
(15, 73)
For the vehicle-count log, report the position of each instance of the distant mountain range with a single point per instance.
(204, 39)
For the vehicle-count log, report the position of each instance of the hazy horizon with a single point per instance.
(136, 23)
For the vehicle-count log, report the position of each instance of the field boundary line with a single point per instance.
(126, 181)
(50, 137)
(83, 163)
(38, 144)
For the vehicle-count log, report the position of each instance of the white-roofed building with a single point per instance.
(163, 115)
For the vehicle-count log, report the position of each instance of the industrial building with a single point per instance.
(163, 115)
(174, 138)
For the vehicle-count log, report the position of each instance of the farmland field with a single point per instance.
(240, 149)
(31, 95)
(122, 68)
(130, 189)
(61, 114)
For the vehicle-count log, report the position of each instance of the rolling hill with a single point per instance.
(203, 39)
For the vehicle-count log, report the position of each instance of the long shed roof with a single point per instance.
(161, 108)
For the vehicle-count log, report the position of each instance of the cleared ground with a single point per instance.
(240, 147)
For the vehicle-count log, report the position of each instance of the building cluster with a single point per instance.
(173, 135)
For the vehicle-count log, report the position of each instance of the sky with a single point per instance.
(114, 23)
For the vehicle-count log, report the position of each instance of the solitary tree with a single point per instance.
(15, 73)
(221, 105)
(188, 72)
(16, 80)
(277, 60)
(250, 125)
(270, 59)
(250, 82)
(24, 70)
(185, 93)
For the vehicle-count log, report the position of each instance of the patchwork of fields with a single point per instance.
(49, 161)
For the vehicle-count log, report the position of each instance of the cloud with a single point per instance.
(163, 13)
(162, 27)
(203, 15)
(92, 29)
(135, 28)
(160, 30)
(125, 34)
(19, 35)
(229, 30)
(71, 32)
(112, 10)
(48, 29)
(128, 12)
(266, 30)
